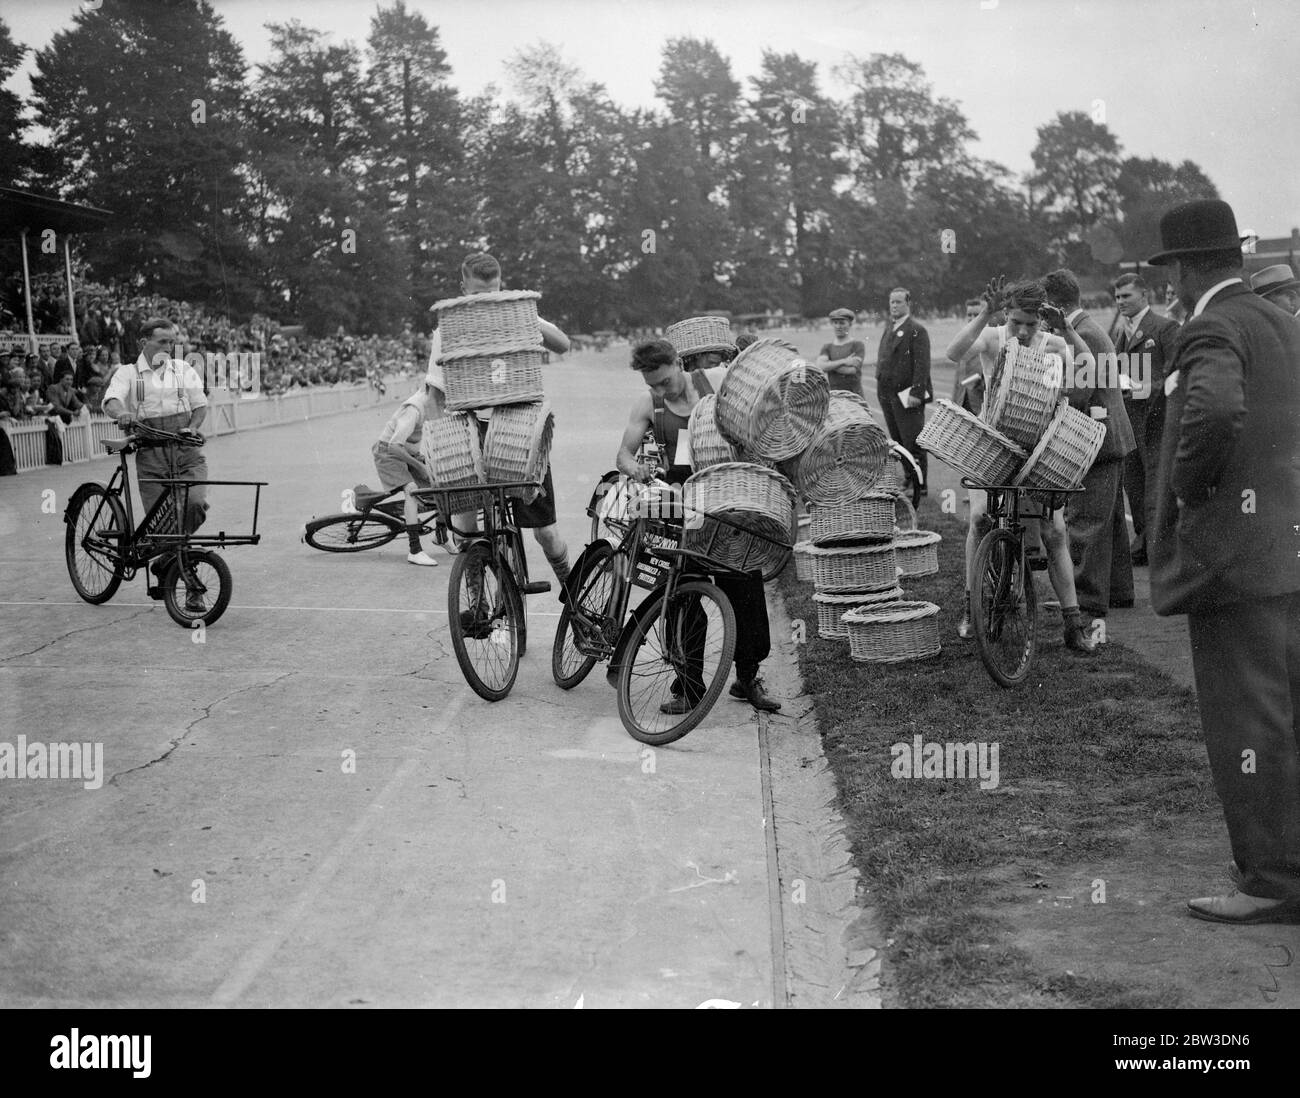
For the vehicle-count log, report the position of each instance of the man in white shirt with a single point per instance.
(166, 393)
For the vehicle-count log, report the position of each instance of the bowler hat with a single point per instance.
(1276, 277)
(1205, 225)
(842, 314)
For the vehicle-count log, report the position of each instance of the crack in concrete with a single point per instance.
(207, 712)
(73, 632)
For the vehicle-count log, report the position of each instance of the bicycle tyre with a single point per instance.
(489, 654)
(175, 590)
(95, 513)
(569, 664)
(641, 716)
(1005, 611)
(352, 533)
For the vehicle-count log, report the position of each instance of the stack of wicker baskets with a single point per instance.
(491, 358)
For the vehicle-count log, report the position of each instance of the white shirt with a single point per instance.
(1134, 323)
(901, 321)
(146, 393)
(1205, 297)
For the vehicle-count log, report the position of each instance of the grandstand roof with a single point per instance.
(35, 212)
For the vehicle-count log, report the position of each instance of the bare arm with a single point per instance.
(552, 338)
(640, 421)
(964, 340)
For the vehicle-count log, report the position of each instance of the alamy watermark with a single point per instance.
(82, 762)
(235, 370)
(946, 760)
(1128, 371)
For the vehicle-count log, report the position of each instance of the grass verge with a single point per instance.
(1096, 756)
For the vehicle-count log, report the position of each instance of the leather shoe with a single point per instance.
(1079, 641)
(1242, 910)
(751, 690)
(676, 707)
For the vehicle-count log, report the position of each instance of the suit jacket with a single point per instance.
(1154, 338)
(970, 364)
(1231, 452)
(1101, 401)
(903, 360)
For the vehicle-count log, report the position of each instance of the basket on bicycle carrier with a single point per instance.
(970, 445)
(451, 449)
(1024, 389)
(518, 446)
(1066, 451)
(741, 515)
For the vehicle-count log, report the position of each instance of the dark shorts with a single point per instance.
(541, 512)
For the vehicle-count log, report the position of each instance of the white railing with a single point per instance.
(227, 413)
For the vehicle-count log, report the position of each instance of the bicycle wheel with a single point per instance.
(96, 529)
(483, 615)
(1005, 611)
(595, 589)
(678, 659)
(198, 590)
(352, 533)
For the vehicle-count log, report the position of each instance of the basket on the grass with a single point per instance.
(771, 402)
(518, 446)
(831, 608)
(452, 452)
(918, 552)
(490, 376)
(854, 567)
(803, 569)
(1026, 385)
(1066, 451)
(893, 632)
(904, 514)
(893, 476)
(707, 445)
(844, 458)
(506, 320)
(699, 334)
(870, 518)
(970, 446)
(752, 497)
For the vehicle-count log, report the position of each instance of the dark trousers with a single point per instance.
(173, 462)
(1246, 662)
(1139, 471)
(1099, 540)
(753, 638)
(904, 424)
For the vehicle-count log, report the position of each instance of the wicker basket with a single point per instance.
(893, 632)
(1023, 394)
(518, 446)
(904, 514)
(489, 377)
(918, 553)
(707, 445)
(752, 497)
(452, 450)
(772, 402)
(870, 518)
(855, 567)
(700, 334)
(506, 320)
(803, 569)
(893, 476)
(1066, 451)
(970, 446)
(832, 608)
(844, 458)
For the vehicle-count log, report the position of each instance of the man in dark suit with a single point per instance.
(903, 377)
(1103, 570)
(1144, 341)
(1225, 550)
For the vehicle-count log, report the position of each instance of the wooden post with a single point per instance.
(72, 312)
(27, 295)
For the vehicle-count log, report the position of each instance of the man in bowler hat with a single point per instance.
(1225, 550)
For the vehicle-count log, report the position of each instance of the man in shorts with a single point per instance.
(1023, 302)
(399, 465)
(481, 274)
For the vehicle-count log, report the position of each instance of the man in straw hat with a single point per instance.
(1225, 550)
(1278, 285)
(666, 409)
(480, 273)
(1022, 302)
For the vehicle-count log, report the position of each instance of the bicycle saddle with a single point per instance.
(116, 445)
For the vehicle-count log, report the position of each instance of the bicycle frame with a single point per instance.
(500, 530)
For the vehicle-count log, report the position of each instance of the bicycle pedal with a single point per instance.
(536, 587)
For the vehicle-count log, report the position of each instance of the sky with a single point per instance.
(1214, 81)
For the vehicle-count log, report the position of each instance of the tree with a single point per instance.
(143, 100)
(1146, 189)
(14, 152)
(697, 87)
(1076, 168)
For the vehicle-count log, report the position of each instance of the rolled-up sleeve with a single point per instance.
(194, 387)
(118, 388)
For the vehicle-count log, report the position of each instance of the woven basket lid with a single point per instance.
(890, 612)
(912, 539)
(485, 299)
(858, 598)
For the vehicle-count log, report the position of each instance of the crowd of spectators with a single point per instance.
(109, 334)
